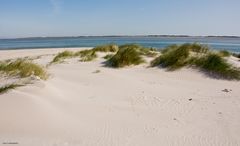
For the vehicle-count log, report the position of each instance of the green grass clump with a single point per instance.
(215, 65)
(63, 55)
(87, 55)
(106, 48)
(134, 46)
(149, 52)
(168, 48)
(108, 56)
(195, 47)
(173, 58)
(6, 88)
(224, 53)
(127, 55)
(23, 68)
(195, 55)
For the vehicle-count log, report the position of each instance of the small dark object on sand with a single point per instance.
(226, 90)
(190, 99)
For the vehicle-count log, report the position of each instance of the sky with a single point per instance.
(41, 18)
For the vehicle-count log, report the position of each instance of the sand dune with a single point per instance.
(135, 106)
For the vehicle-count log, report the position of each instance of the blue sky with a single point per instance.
(31, 18)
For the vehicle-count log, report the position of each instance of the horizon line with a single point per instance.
(218, 36)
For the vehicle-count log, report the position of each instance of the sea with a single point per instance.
(216, 43)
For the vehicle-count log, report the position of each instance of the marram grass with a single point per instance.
(23, 68)
(216, 66)
(61, 56)
(6, 88)
(173, 58)
(126, 56)
(87, 55)
(106, 48)
(224, 53)
(108, 56)
(198, 56)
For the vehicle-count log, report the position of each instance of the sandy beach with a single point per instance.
(88, 104)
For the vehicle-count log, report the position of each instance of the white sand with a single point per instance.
(135, 106)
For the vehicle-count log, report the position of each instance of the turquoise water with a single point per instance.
(218, 43)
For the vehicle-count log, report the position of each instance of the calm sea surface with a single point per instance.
(218, 43)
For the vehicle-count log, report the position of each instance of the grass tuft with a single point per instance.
(6, 88)
(126, 56)
(108, 56)
(87, 55)
(149, 52)
(168, 48)
(196, 47)
(106, 48)
(224, 53)
(62, 55)
(215, 65)
(23, 68)
(173, 58)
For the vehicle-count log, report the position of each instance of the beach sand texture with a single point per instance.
(133, 106)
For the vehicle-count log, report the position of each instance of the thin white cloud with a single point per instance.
(56, 5)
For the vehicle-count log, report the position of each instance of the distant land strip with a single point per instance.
(174, 36)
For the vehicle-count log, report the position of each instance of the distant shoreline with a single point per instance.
(155, 41)
(106, 36)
